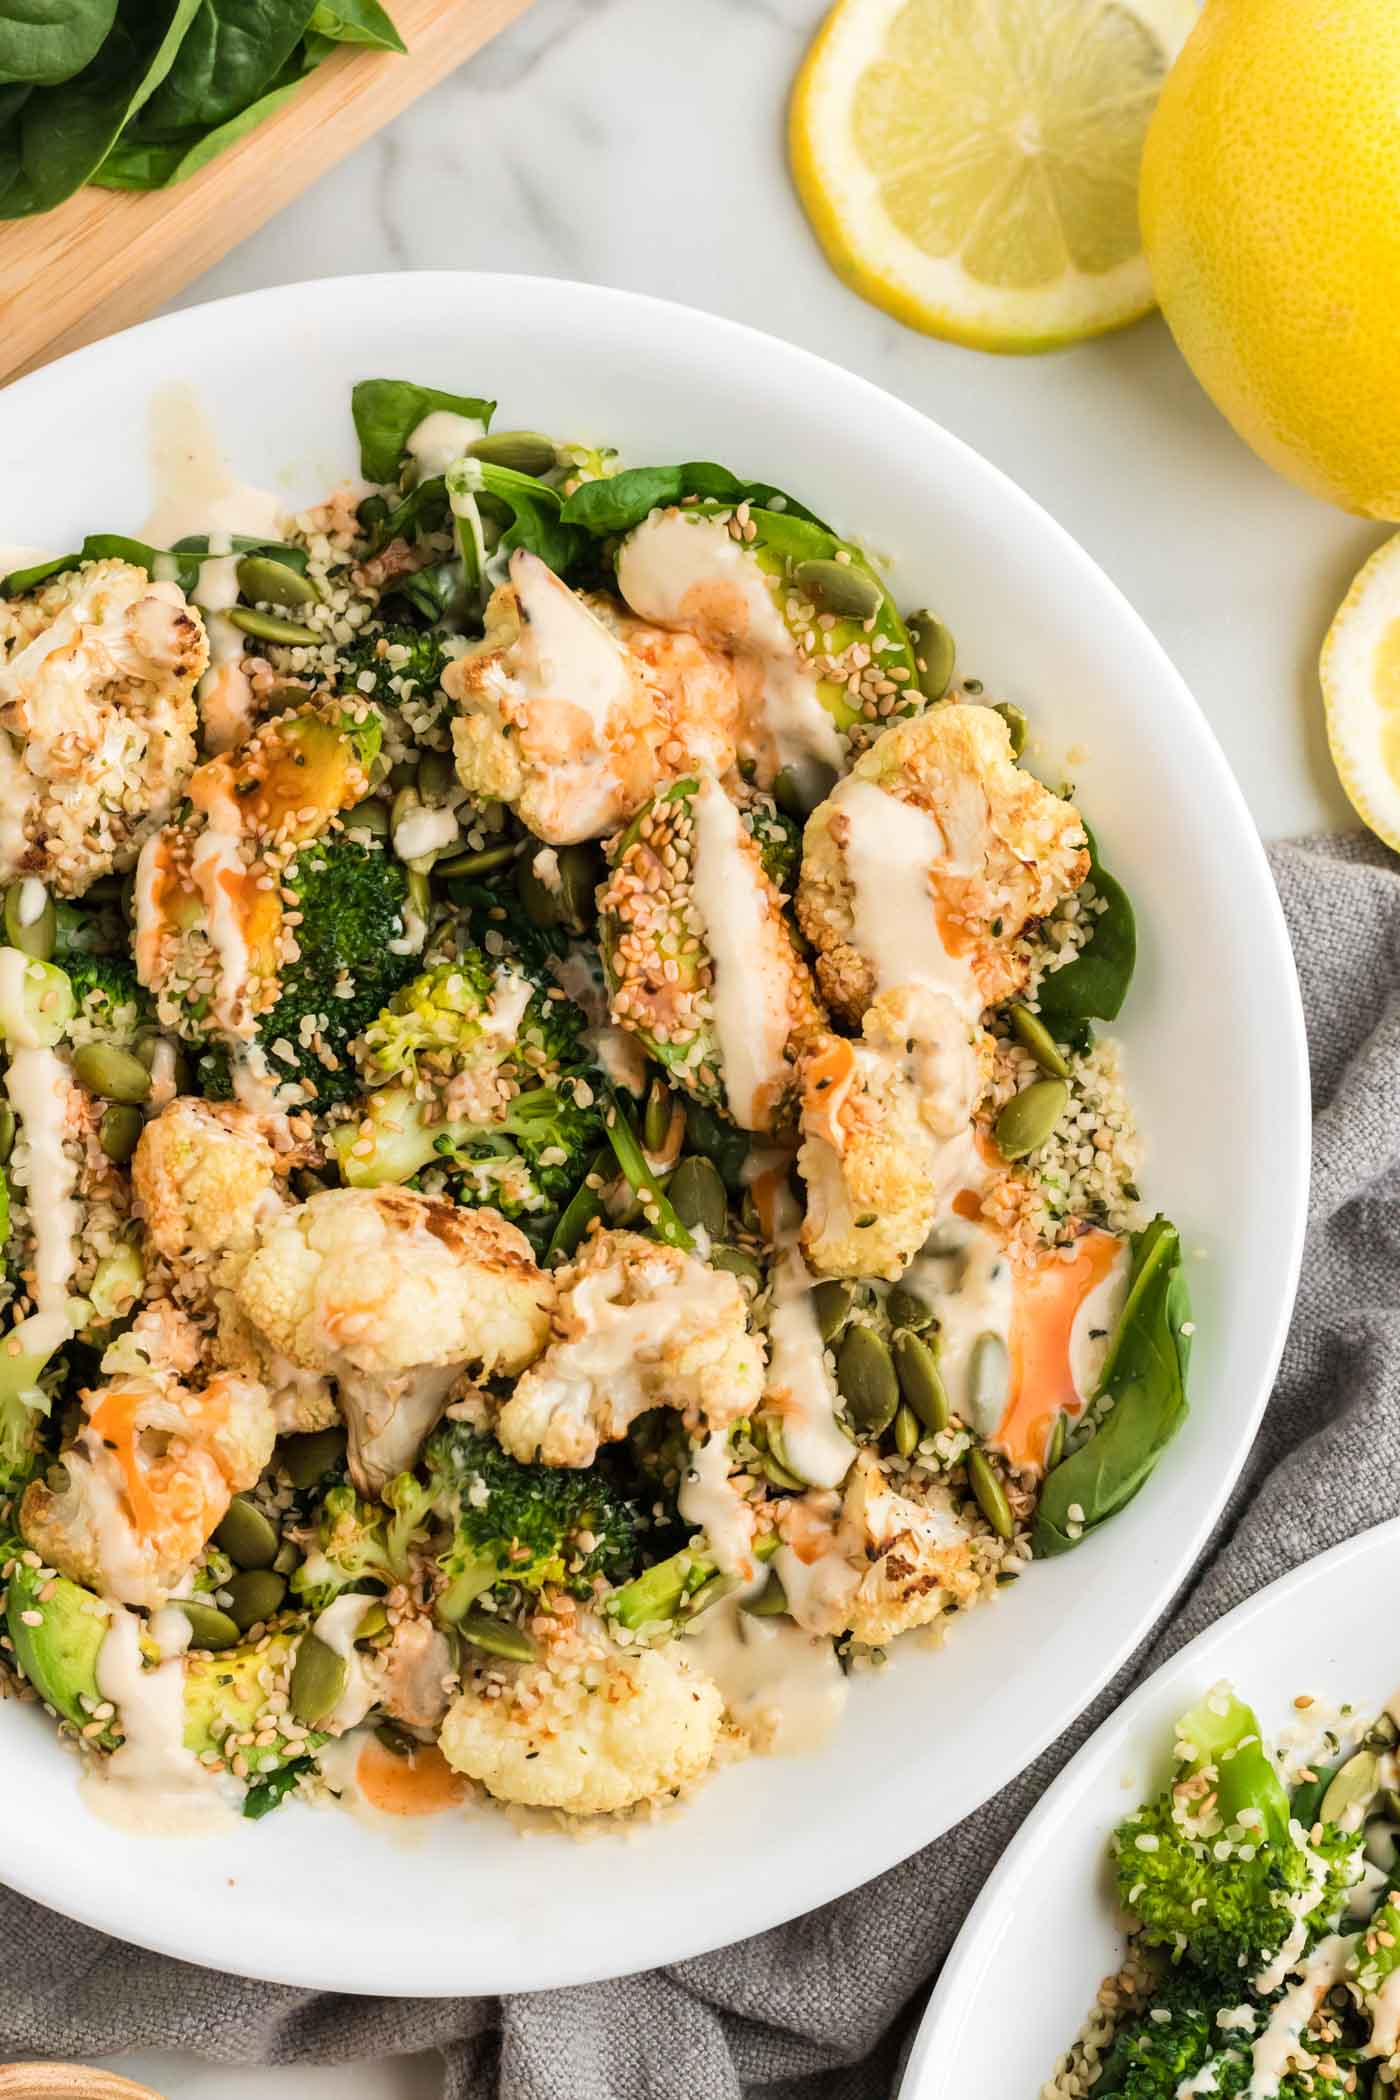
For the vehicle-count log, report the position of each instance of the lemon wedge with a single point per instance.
(972, 165)
(1361, 689)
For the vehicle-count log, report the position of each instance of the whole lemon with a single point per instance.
(1271, 223)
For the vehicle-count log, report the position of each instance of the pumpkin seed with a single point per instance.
(865, 1374)
(119, 1132)
(656, 1117)
(373, 1620)
(920, 1381)
(268, 627)
(770, 1602)
(254, 1596)
(496, 1636)
(35, 935)
(371, 815)
(905, 1308)
(1354, 1786)
(774, 1463)
(397, 1741)
(281, 698)
(288, 1559)
(480, 863)
(1016, 723)
(151, 1043)
(572, 901)
(210, 1628)
(831, 1302)
(7, 1132)
(906, 1430)
(372, 513)
(935, 653)
(114, 1075)
(319, 1677)
(697, 1196)
(991, 1495)
(1029, 1117)
(523, 451)
(1057, 1444)
(1033, 1035)
(801, 786)
(1383, 1733)
(988, 1380)
(737, 1261)
(437, 778)
(246, 1536)
(266, 582)
(839, 587)
(709, 1593)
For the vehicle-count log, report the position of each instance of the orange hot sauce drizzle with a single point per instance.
(1047, 1300)
(421, 1784)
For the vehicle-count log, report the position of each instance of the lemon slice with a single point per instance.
(1361, 688)
(972, 165)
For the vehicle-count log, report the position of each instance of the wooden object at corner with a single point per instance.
(108, 258)
(67, 2082)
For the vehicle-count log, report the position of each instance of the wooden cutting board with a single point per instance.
(107, 258)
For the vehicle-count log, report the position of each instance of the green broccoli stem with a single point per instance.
(583, 1207)
(622, 1136)
(1221, 1731)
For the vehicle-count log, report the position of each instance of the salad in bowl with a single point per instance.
(562, 1188)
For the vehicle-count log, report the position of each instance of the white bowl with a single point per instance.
(1046, 1915)
(1217, 1064)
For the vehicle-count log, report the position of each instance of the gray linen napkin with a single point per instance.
(820, 2009)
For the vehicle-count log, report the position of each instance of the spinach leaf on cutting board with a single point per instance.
(45, 42)
(232, 53)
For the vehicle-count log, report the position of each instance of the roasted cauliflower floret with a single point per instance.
(393, 1294)
(883, 1566)
(886, 1131)
(97, 720)
(590, 1730)
(150, 1475)
(701, 962)
(202, 1176)
(941, 794)
(638, 1325)
(574, 713)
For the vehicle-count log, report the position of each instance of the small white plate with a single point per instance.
(1216, 1062)
(1046, 1916)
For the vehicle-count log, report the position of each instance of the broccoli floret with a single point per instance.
(362, 1542)
(351, 898)
(111, 1005)
(404, 662)
(1215, 1869)
(490, 1077)
(1177, 2036)
(523, 1524)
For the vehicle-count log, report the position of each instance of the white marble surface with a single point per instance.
(640, 143)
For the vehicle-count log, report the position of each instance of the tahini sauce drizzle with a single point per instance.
(748, 952)
(152, 1785)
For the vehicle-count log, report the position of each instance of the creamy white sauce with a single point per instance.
(1094, 1323)
(442, 437)
(38, 1085)
(337, 1626)
(1384, 2009)
(784, 1687)
(617, 1052)
(889, 850)
(15, 787)
(751, 959)
(709, 1503)
(32, 898)
(225, 691)
(799, 1387)
(972, 1289)
(685, 571)
(510, 996)
(193, 489)
(152, 1784)
(1274, 2050)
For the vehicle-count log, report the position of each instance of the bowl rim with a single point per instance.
(884, 1846)
(1116, 1728)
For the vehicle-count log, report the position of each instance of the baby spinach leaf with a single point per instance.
(233, 53)
(434, 592)
(271, 1791)
(1140, 1402)
(388, 411)
(66, 132)
(137, 164)
(45, 42)
(357, 22)
(1095, 984)
(621, 501)
(530, 512)
(12, 100)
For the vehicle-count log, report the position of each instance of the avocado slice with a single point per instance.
(59, 1656)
